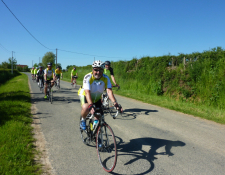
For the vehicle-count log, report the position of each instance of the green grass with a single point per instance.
(198, 110)
(16, 142)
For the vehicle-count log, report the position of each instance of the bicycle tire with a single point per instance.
(84, 134)
(107, 152)
(51, 95)
(112, 110)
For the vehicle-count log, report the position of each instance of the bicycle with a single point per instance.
(49, 92)
(57, 84)
(107, 103)
(74, 84)
(41, 86)
(34, 78)
(104, 138)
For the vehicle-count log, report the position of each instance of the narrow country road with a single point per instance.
(150, 139)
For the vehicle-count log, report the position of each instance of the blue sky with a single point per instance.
(108, 29)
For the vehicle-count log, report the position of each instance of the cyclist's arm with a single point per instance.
(110, 94)
(113, 79)
(89, 100)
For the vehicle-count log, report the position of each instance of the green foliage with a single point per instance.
(48, 57)
(6, 75)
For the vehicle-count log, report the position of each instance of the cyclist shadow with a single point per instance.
(135, 148)
(129, 114)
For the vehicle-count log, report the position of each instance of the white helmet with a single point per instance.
(98, 63)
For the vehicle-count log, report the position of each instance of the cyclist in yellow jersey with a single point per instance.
(35, 72)
(109, 72)
(32, 72)
(58, 72)
(49, 76)
(73, 73)
(94, 84)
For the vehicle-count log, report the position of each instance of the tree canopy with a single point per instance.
(48, 57)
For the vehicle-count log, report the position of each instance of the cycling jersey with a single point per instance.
(32, 71)
(58, 72)
(49, 73)
(95, 86)
(35, 71)
(73, 72)
(40, 73)
(108, 72)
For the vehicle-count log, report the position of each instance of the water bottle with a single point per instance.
(95, 123)
(91, 126)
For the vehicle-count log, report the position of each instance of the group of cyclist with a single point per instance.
(94, 84)
(49, 75)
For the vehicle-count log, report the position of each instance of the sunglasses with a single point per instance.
(98, 70)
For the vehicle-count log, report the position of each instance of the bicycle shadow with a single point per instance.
(129, 114)
(135, 148)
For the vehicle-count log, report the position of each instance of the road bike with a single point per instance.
(49, 92)
(74, 84)
(57, 84)
(41, 85)
(103, 137)
(108, 104)
(34, 78)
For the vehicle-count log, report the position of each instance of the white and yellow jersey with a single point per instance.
(95, 86)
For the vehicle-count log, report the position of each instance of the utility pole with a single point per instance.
(12, 63)
(32, 63)
(56, 59)
(39, 60)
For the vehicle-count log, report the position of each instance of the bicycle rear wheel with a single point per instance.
(106, 147)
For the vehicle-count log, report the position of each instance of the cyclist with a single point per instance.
(94, 84)
(49, 77)
(58, 72)
(32, 73)
(109, 72)
(73, 73)
(40, 75)
(35, 72)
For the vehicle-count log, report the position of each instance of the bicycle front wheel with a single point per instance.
(106, 147)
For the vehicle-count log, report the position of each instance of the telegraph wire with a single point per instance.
(54, 49)
(89, 54)
(4, 48)
(25, 27)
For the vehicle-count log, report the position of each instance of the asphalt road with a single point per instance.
(150, 139)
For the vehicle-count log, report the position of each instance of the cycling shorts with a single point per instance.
(83, 100)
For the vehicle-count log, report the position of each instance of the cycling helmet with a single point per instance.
(36, 67)
(74, 68)
(32, 67)
(98, 63)
(107, 63)
(40, 67)
(49, 64)
(58, 66)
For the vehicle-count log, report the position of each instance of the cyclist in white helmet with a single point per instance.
(94, 84)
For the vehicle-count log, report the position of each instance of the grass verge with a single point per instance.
(16, 142)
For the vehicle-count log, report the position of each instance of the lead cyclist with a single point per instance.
(90, 94)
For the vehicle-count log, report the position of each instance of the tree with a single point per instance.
(48, 57)
(35, 65)
(14, 63)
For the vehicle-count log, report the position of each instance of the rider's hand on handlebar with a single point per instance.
(91, 108)
(118, 107)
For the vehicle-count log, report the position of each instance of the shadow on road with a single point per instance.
(134, 149)
(129, 114)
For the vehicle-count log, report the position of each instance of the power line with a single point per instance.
(54, 49)
(4, 48)
(25, 27)
(90, 54)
